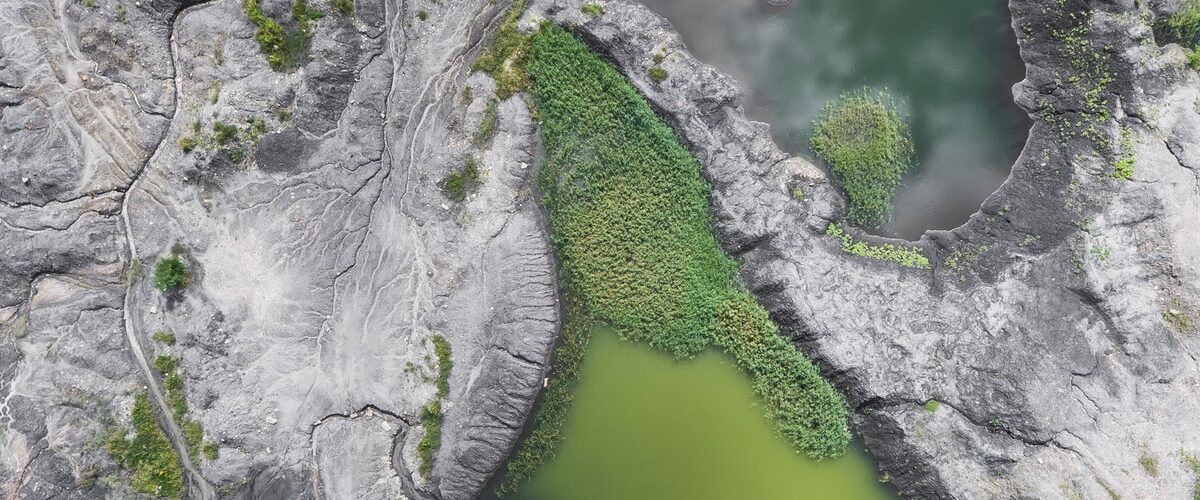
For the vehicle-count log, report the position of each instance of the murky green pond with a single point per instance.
(644, 426)
(953, 61)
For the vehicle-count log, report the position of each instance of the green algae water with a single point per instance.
(645, 426)
(952, 62)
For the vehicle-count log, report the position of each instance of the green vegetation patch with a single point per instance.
(487, 124)
(344, 8)
(463, 181)
(591, 9)
(431, 413)
(286, 48)
(867, 144)
(171, 273)
(658, 74)
(1123, 168)
(506, 59)
(907, 257)
(629, 216)
(441, 347)
(1149, 463)
(163, 337)
(931, 406)
(148, 455)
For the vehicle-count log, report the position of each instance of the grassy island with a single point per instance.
(867, 144)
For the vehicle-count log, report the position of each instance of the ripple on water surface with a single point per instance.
(644, 426)
(952, 62)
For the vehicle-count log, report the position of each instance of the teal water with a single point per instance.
(953, 62)
(644, 426)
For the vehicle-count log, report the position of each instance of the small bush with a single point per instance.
(163, 337)
(286, 49)
(193, 433)
(173, 390)
(867, 144)
(658, 74)
(591, 9)
(165, 364)
(188, 143)
(224, 133)
(1184, 26)
(170, 273)
(931, 406)
(422, 15)
(460, 183)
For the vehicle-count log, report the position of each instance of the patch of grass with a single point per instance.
(431, 420)
(931, 406)
(441, 347)
(170, 273)
(506, 59)
(1149, 463)
(867, 144)
(628, 209)
(173, 390)
(591, 9)
(286, 49)
(187, 143)
(163, 337)
(487, 124)
(1183, 27)
(1123, 168)
(658, 74)
(462, 182)
(165, 364)
(1176, 319)
(345, 8)
(422, 15)
(907, 257)
(224, 133)
(211, 451)
(148, 455)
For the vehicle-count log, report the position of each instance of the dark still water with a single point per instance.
(951, 63)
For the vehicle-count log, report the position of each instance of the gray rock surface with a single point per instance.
(323, 252)
(1042, 326)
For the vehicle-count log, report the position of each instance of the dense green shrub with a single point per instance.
(591, 9)
(505, 60)
(1184, 26)
(187, 143)
(868, 146)
(148, 456)
(629, 218)
(165, 364)
(170, 273)
(163, 337)
(224, 133)
(461, 182)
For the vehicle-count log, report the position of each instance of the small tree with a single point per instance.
(170, 273)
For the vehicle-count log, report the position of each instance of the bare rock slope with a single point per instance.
(1057, 328)
(324, 254)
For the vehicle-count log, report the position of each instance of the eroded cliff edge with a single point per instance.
(1056, 327)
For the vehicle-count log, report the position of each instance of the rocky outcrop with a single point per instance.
(1056, 328)
(323, 252)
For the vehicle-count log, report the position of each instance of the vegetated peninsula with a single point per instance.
(355, 249)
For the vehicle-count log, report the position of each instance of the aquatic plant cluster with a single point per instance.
(629, 215)
(867, 144)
